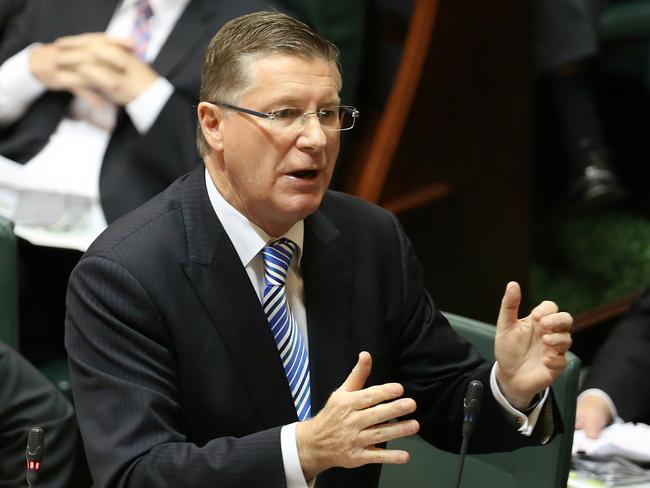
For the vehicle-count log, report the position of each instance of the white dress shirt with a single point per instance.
(70, 163)
(248, 240)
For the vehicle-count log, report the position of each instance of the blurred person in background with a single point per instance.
(617, 385)
(96, 102)
(566, 48)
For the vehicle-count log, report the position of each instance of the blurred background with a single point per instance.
(510, 138)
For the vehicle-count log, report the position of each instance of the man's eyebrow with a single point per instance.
(290, 101)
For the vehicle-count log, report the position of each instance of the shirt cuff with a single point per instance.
(290, 459)
(144, 109)
(600, 393)
(526, 422)
(18, 85)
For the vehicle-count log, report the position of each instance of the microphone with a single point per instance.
(471, 409)
(34, 453)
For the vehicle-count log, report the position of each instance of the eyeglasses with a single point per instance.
(290, 119)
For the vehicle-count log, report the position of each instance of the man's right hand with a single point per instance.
(352, 422)
(592, 415)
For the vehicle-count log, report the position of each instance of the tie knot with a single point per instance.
(277, 257)
(143, 8)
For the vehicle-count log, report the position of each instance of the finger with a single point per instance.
(557, 322)
(593, 430)
(384, 412)
(110, 56)
(74, 59)
(509, 310)
(561, 342)
(90, 96)
(543, 309)
(556, 362)
(374, 395)
(359, 374)
(387, 432)
(115, 57)
(100, 78)
(84, 40)
(377, 455)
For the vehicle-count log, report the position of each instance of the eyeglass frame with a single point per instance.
(271, 115)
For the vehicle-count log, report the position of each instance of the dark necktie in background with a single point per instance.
(142, 29)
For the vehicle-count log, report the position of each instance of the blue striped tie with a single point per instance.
(277, 256)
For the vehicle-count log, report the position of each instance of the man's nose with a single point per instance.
(312, 135)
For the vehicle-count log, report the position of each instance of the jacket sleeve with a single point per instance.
(126, 389)
(436, 365)
(623, 361)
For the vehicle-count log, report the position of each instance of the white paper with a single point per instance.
(628, 440)
(43, 214)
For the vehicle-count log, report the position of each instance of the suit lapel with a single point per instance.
(90, 16)
(222, 285)
(326, 269)
(194, 20)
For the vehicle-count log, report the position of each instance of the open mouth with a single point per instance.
(306, 174)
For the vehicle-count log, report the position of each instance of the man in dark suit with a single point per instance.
(189, 320)
(81, 102)
(616, 385)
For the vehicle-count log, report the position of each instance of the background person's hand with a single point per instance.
(93, 66)
(592, 415)
(529, 351)
(354, 420)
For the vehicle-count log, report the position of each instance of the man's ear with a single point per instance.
(210, 117)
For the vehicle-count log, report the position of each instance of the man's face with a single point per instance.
(275, 177)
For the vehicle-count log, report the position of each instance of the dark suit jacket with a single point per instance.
(28, 399)
(135, 167)
(177, 379)
(622, 364)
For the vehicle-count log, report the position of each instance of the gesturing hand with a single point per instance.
(529, 351)
(352, 422)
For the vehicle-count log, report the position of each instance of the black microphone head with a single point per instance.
(35, 444)
(34, 453)
(473, 398)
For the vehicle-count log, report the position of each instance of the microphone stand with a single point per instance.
(471, 407)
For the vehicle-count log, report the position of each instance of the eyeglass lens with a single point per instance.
(333, 118)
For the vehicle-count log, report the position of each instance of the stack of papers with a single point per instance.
(627, 440)
(44, 214)
(589, 472)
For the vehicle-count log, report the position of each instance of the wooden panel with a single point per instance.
(466, 129)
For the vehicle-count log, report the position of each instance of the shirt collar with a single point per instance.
(247, 237)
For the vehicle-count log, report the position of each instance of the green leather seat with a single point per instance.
(56, 370)
(532, 467)
(8, 285)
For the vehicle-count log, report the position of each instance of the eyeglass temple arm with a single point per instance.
(246, 110)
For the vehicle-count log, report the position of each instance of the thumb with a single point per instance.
(359, 374)
(509, 312)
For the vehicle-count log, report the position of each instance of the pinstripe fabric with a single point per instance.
(141, 31)
(293, 352)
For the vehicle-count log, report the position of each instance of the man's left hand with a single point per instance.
(530, 352)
